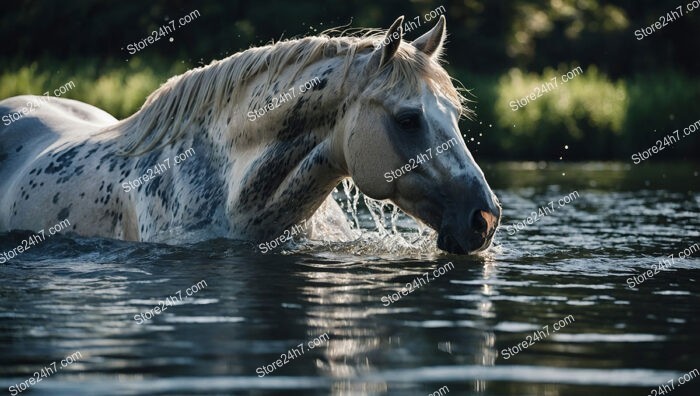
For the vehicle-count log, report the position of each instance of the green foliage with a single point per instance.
(588, 108)
(120, 89)
(595, 116)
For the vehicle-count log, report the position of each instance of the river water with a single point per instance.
(547, 311)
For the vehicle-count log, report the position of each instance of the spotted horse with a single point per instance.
(377, 103)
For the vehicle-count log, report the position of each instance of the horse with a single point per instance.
(254, 144)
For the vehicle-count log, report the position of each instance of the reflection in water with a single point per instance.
(347, 305)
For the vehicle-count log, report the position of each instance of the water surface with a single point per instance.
(81, 294)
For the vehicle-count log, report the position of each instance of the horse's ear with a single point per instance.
(388, 47)
(431, 42)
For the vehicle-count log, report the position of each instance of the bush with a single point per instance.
(596, 117)
(119, 89)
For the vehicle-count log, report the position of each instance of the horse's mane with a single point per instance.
(170, 109)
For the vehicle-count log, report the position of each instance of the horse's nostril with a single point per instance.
(478, 222)
(482, 221)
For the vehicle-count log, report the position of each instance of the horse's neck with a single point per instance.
(282, 165)
(260, 176)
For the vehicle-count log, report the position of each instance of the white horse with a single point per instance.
(253, 144)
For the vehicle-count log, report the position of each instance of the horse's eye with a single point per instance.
(409, 121)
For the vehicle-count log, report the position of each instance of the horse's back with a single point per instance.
(36, 114)
(30, 121)
(30, 124)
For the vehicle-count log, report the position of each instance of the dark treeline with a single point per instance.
(487, 39)
(490, 35)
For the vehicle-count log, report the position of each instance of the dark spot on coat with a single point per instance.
(320, 85)
(63, 214)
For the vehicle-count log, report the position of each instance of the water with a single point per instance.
(74, 294)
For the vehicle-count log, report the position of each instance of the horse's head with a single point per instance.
(402, 141)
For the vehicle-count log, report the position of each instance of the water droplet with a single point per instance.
(480, 135)
(172, 39)
(563, 173)
(490, 126)
(566, 147)
(560, 158)
(472, 139)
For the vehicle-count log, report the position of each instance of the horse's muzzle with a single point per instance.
(472, 235)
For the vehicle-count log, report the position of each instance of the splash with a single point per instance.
(381, 228)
